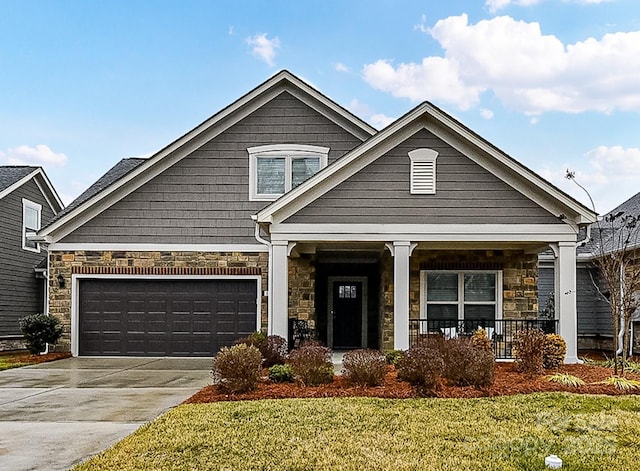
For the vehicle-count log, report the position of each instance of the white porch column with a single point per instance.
(279, 290)
(565, 298)
(401, 254)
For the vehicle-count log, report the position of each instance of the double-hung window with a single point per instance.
(453, 296)
(277, 169)
(31, 217)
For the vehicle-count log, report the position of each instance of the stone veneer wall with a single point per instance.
(302, 286)
(519, 280)
(11, 344)
(139, 263)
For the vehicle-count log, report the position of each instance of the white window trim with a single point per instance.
(423, 160)
(37, 207)
(289, 152)
(460, 302)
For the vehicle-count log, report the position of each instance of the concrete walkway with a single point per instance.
(55, 415)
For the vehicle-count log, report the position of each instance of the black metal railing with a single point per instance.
(501, 332)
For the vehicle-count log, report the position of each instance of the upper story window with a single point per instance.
(423, 171)
(31, 218)
(276, 169)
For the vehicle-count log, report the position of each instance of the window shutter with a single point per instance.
(423, 171)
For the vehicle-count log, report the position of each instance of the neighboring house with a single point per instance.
(27, 202)
(595, 324)
(286, 206)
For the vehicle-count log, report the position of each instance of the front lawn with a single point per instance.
(504, 433)
(16, 360)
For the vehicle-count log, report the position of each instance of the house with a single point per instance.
(284, 205)
(595, 324)
(28, 201)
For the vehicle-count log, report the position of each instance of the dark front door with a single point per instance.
(348, 312)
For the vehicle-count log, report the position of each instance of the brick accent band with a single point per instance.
(102, 270)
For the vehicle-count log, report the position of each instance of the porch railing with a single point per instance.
(501, 332)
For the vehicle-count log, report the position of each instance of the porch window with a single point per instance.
(31, 218)
(452, 296)
(277, 169)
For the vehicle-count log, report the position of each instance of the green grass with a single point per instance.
(506, 433)
(9, 361)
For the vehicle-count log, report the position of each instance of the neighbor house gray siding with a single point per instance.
(594, 316)
(204, 198)
(20, 291)
(466, 193)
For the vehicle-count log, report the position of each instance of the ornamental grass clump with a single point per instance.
(481, 341)
(555, 349)
(466, 364)
(566, 380)
(364, 367)
(311, 365)
(528, 346)
(422, 367)
(236, 369)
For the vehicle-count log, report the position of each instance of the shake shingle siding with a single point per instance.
(204, 198)
(20, 291)
(465, 193)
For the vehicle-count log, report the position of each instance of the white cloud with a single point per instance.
(380, 121)
(495, 5)
(422, 26)
(604, 168)
(264, 48)
(38, 155)
(486, 114)
(340, 67)
(527, 70)
(365, 112)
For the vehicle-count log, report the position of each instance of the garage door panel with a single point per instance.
(164, 317)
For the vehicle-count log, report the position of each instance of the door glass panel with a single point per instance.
(480, 287)
(271, 175)
(442, 287)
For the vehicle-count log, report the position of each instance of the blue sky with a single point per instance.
(554, 83)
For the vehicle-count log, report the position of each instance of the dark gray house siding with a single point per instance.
(20, 291)
(204, 198)
(465, 192)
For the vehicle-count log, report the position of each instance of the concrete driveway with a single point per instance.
(55, 415)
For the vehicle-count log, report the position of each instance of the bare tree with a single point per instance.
(615, 247)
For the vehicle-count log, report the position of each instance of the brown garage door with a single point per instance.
(164, 317)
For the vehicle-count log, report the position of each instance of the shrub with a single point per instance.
(272, 348)
(237, 368)
(555, 348)
(281, 374)
(480, 341)
(39, 330)
(422, 367)
(364, 367)
(312, 365)
(528, 348)
(468, 365)
(393, 356)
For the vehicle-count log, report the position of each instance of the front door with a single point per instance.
(347, 326)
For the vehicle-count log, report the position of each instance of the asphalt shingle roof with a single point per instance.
(11, 174)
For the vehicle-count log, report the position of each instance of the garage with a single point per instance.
(164, 317)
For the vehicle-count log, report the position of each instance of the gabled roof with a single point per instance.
(428, 116)
(607, 235)
(13, 177)
(99, 197)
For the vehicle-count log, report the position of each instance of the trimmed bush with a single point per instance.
(528, 346)
(422, 367)
(237, 368)
(393, 357)
(312, 365)
(466, 364)
(555, 349)
(272, 348)
(481, 341)
(281, 374)
(39, 330)
(364, 367)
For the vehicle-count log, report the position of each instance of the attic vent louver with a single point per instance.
(423, 171)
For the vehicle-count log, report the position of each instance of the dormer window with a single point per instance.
(277, 169)
(423, 171)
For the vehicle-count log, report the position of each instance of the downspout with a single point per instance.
(266, 242)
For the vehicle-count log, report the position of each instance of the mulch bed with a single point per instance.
(26, 357)
(508, 381)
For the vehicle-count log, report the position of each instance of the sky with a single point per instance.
(553, 83)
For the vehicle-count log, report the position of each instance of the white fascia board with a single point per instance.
(585, 216)
(101, 247)
(424, 232)
(59, 205)
(340, 170)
